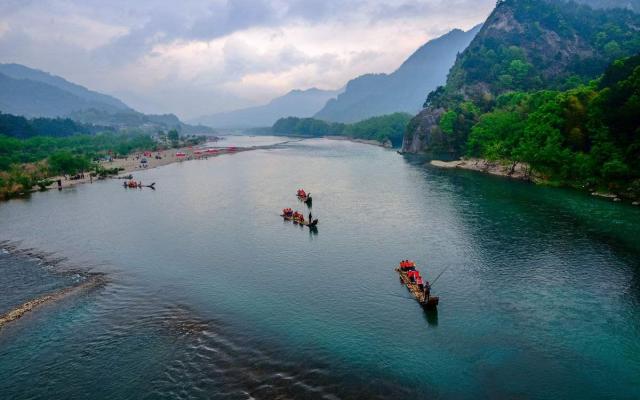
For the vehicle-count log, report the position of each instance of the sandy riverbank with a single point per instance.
(132, 164)
(362, 141)
(515, 171)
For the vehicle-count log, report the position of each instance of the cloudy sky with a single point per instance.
(195, 57)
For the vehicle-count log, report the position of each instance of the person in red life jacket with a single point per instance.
(412, 275)
(420, 283)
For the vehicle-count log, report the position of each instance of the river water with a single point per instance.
(212, 295)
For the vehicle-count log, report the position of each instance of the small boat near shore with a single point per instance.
(133, 185)
(426, 301)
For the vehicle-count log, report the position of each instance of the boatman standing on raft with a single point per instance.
(427, 291)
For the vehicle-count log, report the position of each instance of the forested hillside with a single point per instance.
(589, 135)
(22, 128)
(526, 79)
(387, 129)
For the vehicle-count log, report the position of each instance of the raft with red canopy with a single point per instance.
(298, 218)
(304, 197)
(407, 270)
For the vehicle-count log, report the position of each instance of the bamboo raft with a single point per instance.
(303, 222)
(430, 303)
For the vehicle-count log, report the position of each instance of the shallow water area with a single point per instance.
(213, 295)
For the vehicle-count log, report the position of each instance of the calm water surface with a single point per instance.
(212, 295)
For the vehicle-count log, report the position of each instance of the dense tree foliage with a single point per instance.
(19, 151)
(25, 163)
(587, 135)
(20, 127)
(384, 128)
(65, 162)
(306, 127)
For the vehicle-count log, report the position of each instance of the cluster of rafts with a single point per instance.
(296, 216)
(419, 287)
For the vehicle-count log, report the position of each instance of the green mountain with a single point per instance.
(525, 45)
(404, 89)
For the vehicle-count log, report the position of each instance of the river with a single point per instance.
(211, 294)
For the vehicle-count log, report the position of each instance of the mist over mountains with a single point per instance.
(296, 103)
(366, 96)
(405, 89)
(33, 93)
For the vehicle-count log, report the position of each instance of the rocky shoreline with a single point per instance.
(386, 145)
(517, 171)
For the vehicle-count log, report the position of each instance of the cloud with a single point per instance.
(201, 56)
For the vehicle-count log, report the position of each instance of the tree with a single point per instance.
(173, 135)
(64, 162)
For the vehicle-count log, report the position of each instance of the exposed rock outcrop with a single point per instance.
(423, 132)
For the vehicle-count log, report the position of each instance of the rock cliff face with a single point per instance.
(525, 45)
(425, 131)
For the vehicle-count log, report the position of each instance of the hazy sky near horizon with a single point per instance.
(196, 57)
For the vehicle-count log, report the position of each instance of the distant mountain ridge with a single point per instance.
(33, 93)
(296, 103)
(405, 89)
(17, 71)
(633, 5)
(37, 99)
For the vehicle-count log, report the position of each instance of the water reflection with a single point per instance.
(431, 315)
